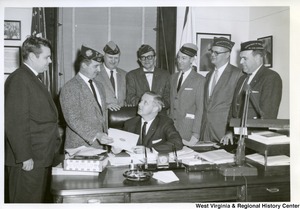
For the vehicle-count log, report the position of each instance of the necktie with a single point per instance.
(150, 72)
(180, 81)
(95, 95)
(214, 82)
(112, 80)
(143, 133)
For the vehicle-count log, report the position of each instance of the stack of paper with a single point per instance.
(83, 151)
(58, 170)
(269, 137)
(219, 156)
(271, 160)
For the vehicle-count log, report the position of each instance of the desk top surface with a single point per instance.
(111, 180)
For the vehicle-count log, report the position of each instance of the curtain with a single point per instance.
(44, 24)
(166, 38)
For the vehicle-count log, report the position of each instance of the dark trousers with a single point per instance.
(27, 186)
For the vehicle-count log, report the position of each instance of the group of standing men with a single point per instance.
(198, 108)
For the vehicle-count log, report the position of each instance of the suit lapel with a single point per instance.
(257, 77)
(106, 78)
(88, 93)
(42, 87)
(144, 80)
(156, 80)
(187, 81)
(151, 131)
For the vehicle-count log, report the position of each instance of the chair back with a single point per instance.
(116, 119)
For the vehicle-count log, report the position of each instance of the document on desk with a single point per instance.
(219, 156)
(84, 151)
(123, 139)
(165, 176)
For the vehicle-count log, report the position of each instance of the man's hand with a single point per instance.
(116, 150)
(104, 139)
(28, 165)
(227, 139)
(192, 142)
(113, 107)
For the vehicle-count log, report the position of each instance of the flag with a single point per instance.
(188, 34)
(38, 28)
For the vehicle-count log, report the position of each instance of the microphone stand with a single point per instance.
(240, 169)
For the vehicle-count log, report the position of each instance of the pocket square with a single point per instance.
(188, 89)
(156, 141)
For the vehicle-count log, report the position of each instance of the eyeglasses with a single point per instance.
(216, 52)
(149, 57)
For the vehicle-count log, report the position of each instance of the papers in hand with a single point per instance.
(83, 151)
(123, 139)
(165, 176)
(271, 160)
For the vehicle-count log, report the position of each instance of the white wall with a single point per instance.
(222, 20)
(275, 21)
(21, 14)
(248, 23)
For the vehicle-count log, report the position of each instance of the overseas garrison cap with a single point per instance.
(223, 42)
(252, 45)
(144, 49)
(91, 54)
(189, 49)
(111, 48)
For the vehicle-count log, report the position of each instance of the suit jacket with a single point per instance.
(31, 120)
(137, 85)
(82, 113)
(217, 106)
(265, 100)
(187, 105)
(110, 96)
(161, 135)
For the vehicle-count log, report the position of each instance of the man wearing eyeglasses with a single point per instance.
(219, 89)
(147, 78)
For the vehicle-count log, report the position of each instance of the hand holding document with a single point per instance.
(123, 139)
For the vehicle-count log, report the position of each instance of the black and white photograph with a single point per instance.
(268, 45)
(12, 30)
(182, 105)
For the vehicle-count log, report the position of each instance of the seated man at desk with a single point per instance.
(155, 130)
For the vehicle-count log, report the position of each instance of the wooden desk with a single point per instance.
(111, 187)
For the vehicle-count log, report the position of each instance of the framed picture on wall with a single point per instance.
(12, 30)
(12, 59)
(267, 42)
(204, 42)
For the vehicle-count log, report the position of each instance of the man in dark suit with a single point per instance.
(83, 104)
(186, 96)
(31, 127)
(112, 78)
(265, 85)
(147, 78)
(218, 91)
(159, 130)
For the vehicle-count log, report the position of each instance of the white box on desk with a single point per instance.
(95, 165)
